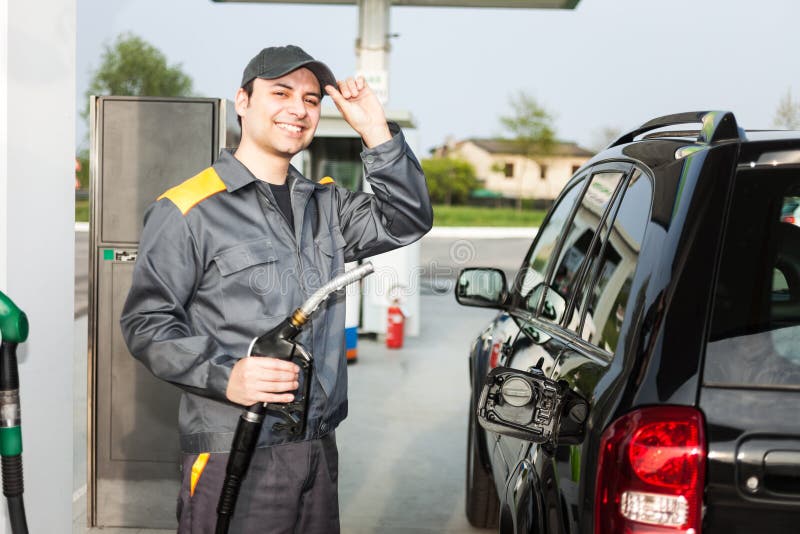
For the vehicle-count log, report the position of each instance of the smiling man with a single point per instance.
(228, 254)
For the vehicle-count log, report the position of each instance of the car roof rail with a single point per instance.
(673, 133)
(717, 126)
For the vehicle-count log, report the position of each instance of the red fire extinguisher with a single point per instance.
(394, 328)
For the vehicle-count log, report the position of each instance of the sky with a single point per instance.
(605, 64)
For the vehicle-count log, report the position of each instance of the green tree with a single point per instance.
(450, 180)
(133, 67)
(787, 116)
(531, 126)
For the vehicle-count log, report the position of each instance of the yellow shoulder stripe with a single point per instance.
(197, 470)
(327, 180)
(195, 190)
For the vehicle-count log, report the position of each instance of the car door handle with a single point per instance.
(782, 471)
(769, 468)
(782, 463)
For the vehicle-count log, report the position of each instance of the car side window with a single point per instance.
(604, 306)
(581, 235)
(534, 268)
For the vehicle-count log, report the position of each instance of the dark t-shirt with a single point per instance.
(283, 198)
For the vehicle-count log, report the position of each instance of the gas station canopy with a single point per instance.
(372, 44)
(526, 4)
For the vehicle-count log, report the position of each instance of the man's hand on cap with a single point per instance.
(361, 109)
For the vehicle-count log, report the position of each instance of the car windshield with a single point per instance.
(755, 335)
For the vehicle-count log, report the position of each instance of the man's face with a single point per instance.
(281, 115)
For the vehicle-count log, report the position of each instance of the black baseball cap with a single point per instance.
(277, 61)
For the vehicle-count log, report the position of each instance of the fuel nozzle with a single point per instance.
(13, 331)
(280, 342)
(290, 328)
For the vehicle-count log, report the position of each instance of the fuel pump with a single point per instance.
(13, 331)
(277, 343)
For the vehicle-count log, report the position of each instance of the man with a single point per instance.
(229, 253)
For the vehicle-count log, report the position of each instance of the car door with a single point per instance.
(604, 304)
(750, 392)
(520, 350)
(561, 262)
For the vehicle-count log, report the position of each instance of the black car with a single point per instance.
(643, 372)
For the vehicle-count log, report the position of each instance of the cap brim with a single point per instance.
(320, 70)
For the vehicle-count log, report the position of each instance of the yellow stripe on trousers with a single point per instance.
(197, 469)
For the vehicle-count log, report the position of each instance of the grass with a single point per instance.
(484, 216)
(81, 210)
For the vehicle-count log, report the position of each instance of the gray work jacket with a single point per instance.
(217, 268)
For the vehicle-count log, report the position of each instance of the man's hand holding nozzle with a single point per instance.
(262, 379)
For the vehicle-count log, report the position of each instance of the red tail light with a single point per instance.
(789, 219)
(651, 473)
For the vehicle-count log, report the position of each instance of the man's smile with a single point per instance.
(289, 127)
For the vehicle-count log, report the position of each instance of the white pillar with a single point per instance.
(3, 141)
(372, 45)
(37, 166)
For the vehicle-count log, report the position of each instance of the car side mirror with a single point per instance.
(527, 405)
(481, 287)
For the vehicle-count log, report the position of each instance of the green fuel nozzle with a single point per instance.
(13, 321)
(13, 331)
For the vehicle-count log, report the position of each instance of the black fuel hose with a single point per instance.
(277, 343)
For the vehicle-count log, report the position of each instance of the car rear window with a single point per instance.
(755, 332)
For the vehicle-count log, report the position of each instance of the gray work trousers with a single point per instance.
(289, 489)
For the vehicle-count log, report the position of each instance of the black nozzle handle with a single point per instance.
(9, 373)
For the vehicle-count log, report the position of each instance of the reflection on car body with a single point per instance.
(790, 213)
